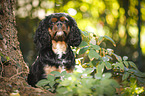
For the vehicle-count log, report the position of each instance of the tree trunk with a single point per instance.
(9, 45)
(13, 69)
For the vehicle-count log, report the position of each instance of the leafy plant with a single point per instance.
(83, 84)
(51, 81)
(97, 72)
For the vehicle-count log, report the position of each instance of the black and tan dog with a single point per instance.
(53, 38)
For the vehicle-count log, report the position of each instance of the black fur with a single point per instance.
(46, 56)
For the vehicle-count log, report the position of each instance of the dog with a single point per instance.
(53, 38)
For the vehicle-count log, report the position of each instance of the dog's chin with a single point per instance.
(60, 36)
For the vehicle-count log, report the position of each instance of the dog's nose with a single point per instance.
(59, 25)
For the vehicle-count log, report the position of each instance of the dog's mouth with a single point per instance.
(60, 35)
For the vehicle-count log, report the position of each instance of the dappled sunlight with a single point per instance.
(70, 4)
(121, 31)
(84, 7)
(143, 12)
(41, 14)
(133, 31)
(143, 40)
(115, 5)
(90, 29)
(22, 12)
(35, 3)
(109, 19)
(84, 23)
(89, 14)
(72, 11)
(90, 11)
(100, 31)
(88, 1)
(100, 6)
(27, 6)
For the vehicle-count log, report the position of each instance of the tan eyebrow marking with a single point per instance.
(63, 19)
(54, 19)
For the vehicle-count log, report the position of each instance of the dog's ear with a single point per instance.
(74, 37)
(42, 37)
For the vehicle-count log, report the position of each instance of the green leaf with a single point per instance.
(108, 65)
(63, 73)
(120, 64)
(62, 90)
(66, 82)
(133, 65)
(125, 75)
(83, 50)
(110, 51)
(107, 75)
(100, 38)
(98, 75)
(105, 81)
(142, 80)
(131, 70)
(56, 73)
(110, 39)
(139, 74)
(96, 47)
(93, 41)
(50, 77)
(93, 54)
(105, 59)
(109, 90)
(42, 82)
(100, 68)
(88, 70)
(126, 63)
(115, 84)
(83, 44)
(117, 57)
(51, 83)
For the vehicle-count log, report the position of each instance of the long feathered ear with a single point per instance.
(42, 36)
(74, 37)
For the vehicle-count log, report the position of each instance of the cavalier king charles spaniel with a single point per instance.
(53, 38)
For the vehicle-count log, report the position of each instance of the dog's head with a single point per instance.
(58, 27)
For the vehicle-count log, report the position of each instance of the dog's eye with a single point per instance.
(63, 19)
(54, 20)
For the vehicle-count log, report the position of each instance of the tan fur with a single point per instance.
(50, 32)
(59, 47)
(69, 71)
(49, 69)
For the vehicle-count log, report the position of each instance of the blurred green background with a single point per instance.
(117, 19)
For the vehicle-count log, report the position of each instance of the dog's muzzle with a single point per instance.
(60, 36)
(59, 31)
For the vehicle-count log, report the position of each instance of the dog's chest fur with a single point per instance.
(59, 48)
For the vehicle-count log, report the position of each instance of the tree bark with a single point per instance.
(9, 45)
(13, 69)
